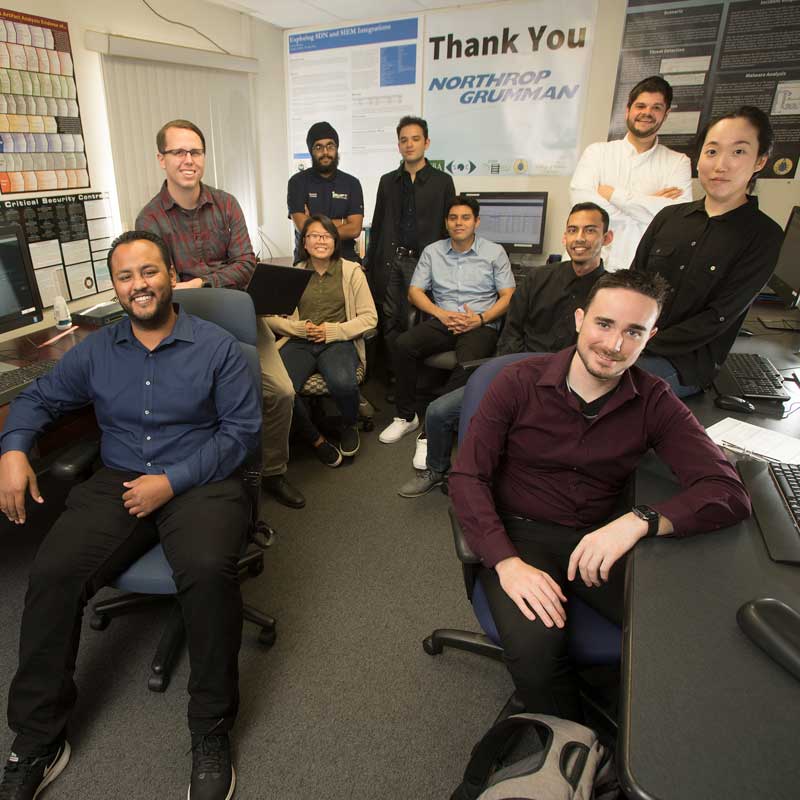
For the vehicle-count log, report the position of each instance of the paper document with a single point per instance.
(747, 439)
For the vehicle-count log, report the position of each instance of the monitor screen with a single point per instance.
(513, 219)
(20, 303)
(785, 281)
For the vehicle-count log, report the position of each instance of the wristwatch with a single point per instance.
(483, 321)
(650, 516)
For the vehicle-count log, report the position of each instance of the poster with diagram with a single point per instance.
(717, 56)
(41, 137)
(69, 234)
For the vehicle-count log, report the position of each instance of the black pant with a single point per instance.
(536, 656)
(95, 539)
(426, 339)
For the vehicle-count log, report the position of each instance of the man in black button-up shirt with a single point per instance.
(409, 215)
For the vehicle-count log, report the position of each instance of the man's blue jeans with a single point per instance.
(656, 365)
(441, 423)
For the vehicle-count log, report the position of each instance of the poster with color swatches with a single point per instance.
(41, 137)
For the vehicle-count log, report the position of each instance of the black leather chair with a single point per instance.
(149, 579)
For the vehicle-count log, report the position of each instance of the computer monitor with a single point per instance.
(785, 281)
(513, 219)
(20, 303)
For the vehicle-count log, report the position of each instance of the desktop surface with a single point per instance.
(704, 713)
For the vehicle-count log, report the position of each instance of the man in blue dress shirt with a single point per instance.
(471, 282)
(178, 410)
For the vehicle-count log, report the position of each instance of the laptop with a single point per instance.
(277, 290)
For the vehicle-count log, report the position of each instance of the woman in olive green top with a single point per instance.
(324, 335)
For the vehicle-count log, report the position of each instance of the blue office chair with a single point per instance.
(149, 579)
(593, 641)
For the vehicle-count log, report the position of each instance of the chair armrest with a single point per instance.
(368, 334)
(76, 462)
(463, 551)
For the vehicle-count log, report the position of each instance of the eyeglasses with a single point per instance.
(331, 147)
(181, 153)
(319, 237)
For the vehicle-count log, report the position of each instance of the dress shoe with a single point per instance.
(283, 491)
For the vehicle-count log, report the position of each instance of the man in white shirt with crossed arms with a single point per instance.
(633, 178)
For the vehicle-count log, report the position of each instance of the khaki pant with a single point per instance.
(278, 400)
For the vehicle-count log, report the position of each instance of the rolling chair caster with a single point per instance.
(99, 622)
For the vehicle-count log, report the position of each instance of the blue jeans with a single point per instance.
(657, 365)
(441, 423)
(336, 362)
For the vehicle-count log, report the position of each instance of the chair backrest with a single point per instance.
(230, 309)
(477, 385)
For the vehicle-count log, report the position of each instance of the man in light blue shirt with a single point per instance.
(471, 282)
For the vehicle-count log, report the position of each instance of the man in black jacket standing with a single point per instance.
(409, 214)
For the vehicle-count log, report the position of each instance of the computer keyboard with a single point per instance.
(13, 381)
(775, 494)
(755, 376)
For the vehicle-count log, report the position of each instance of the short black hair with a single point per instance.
(463, 200)
(161, 136)
(138, 236)
(329, 227)
(589, 206)
(408, 120)
(652, 286)
(655, 84)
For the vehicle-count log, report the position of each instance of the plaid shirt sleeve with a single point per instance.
(237, 269)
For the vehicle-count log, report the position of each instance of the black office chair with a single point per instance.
(594, 643)
(149, 579)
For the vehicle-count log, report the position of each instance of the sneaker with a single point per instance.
(349, 442)
(329, 454)
(398, 429)
(420, 460)
(421, 483)
(213, 776)
(24, 778)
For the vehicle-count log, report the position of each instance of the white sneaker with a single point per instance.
(398, 429)
(420, 460)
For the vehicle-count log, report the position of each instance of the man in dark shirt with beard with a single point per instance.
(539, 476)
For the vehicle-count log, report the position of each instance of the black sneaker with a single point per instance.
(349, 442)
(213, 776)
(328, 454)
(25, 778)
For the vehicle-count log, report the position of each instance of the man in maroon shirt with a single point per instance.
(205, 231)
(539, 477)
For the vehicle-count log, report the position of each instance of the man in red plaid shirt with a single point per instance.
(205, 231)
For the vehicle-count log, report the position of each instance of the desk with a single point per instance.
(22, 351)
(704, 713)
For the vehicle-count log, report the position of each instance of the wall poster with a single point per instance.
(717, 56)
(68, 232)
(41, 138)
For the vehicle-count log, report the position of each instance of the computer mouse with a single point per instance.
(732, 403)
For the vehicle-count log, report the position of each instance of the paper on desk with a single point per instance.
(748, 439)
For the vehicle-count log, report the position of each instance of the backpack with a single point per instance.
(563, 761)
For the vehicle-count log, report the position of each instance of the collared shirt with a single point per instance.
(715, 267)
(433, 189)
(541, 316)
(188, 409)
(529, 451)
(323, 298)
(471, 278)
(635, 177)
(209, 242)
(337, 197)
(407, 235)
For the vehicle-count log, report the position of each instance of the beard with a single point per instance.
(601, 376)
(642, 133)
(315, 164)
(156, 318)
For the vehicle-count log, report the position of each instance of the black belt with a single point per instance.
(406, 252)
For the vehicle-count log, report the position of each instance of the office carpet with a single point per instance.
(346, 705)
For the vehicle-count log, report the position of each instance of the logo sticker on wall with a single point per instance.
(461, 167)
(520, 166)
(783, 166)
